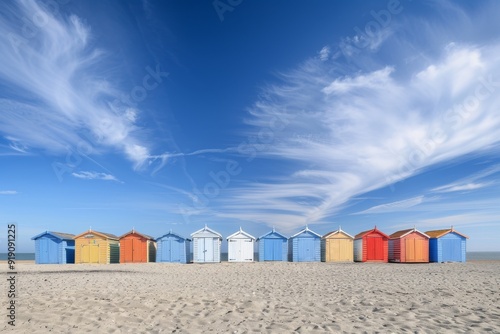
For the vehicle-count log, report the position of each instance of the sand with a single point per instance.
(257, 298)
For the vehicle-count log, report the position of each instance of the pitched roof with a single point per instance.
(135, 232)
(362, 234)
(273, 231)
(240, 232)
(59, 235)
(305, 230)
(174, 234)
(332, 233)
(440, 233)
(102, 234)
(208, 230)
(403, 233)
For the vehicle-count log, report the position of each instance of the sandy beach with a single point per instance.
(257, 298)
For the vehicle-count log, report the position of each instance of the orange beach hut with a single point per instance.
(137, 247)
(409, 246)
(371, 246)
(97, 247)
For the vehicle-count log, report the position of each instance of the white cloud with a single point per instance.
(469, 183)
(86, 175)
(369, 81)
(8, 192)
(340, 136)
(463, 220)
(462, 187)
(324, 53)
(394, 206)
(58, 89)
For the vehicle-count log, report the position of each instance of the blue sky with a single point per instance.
(166, 115)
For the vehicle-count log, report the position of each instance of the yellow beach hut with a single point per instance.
(337, 246)
(97, 247)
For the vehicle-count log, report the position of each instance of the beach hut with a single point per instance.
(206, 245)
(173, 248)
(305, 246)
(97, 247)
(240, 247)
(54, 247)
(273, 246)
(371, 246)
(137, 247)
(337, 246)
(447, 245)
(409, 246)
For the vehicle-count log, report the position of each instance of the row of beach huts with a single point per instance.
(404, 246)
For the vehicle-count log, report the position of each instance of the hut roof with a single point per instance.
(362, 234)
(241, 232)
(332, 233)
(206, 229)
(58, 235)
(133, 231)
(403, 233)
(102, 234)
(273, 231)
(305, 230)
(174, 234)
(440, 233)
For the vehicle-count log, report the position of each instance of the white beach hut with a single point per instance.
(206, 245)
(240, 247)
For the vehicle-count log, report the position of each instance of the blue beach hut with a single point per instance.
(305, 246)
(172, 247)
(54, 248)
(273, 246)
(446, 245)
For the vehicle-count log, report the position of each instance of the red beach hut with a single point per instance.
(409, 246)
(371, 246)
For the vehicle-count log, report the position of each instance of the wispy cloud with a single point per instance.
(463, 220)
(86, 175)
(8, 192)
(470, 183)
(324, 53)
(370, 127)
(394, 206)
(57, 90)
(462, 187)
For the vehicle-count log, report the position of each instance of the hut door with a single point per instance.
(175, 250)
(451, 250)
(273, 249)
(410, 250)
(171, 250)
(127, 250)
(209, 249)
(334, 252)
(235, 248)
(247, 250)
(90, 253)
(138, 250)
(415, 250)
(48, 250)
(375, 247)
(206, 249)
(305, 247)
